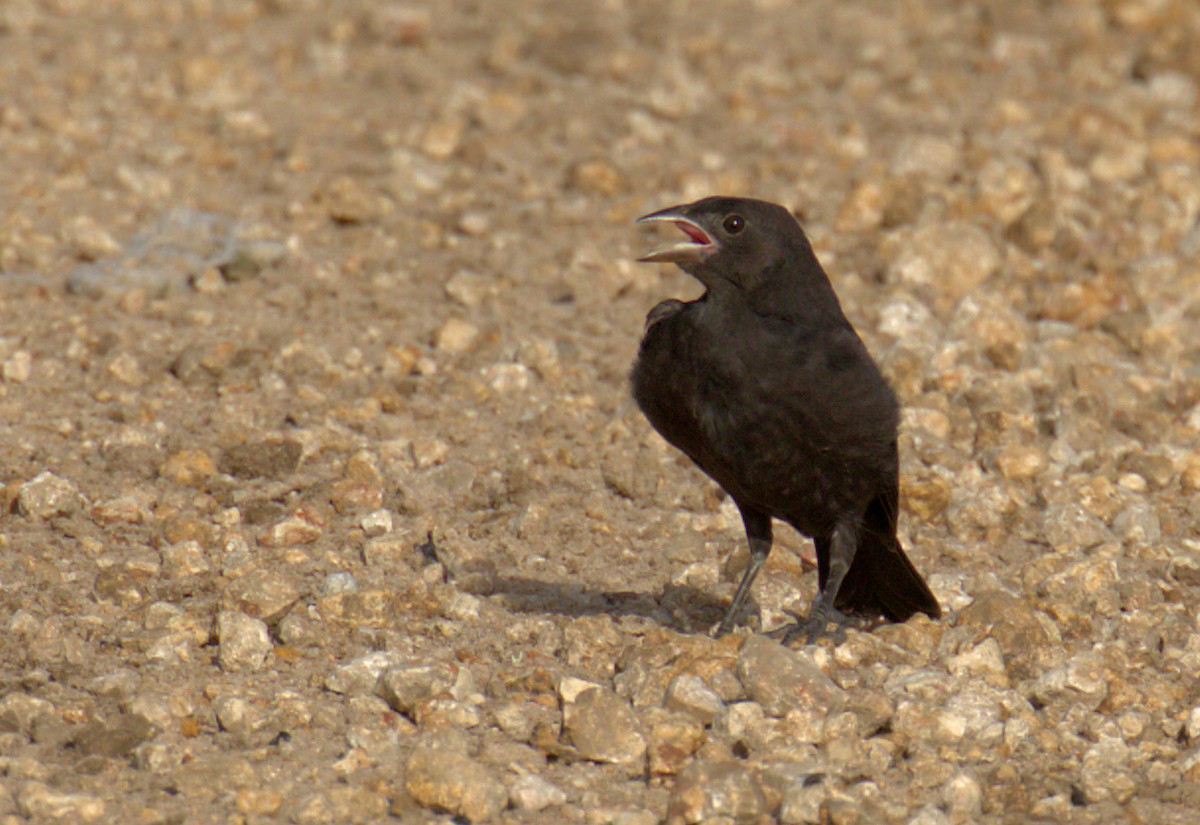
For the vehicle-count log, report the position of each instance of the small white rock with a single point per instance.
(507, 377)
(377, 523)
(570, 688)
(48, 496)
(532, 793)
(467, 289)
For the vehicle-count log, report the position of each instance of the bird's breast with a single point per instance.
(766, 414)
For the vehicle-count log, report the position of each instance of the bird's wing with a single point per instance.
(791, 416)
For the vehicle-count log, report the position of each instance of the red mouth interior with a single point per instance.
(694, 232)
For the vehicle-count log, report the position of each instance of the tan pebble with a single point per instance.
(1007, 188)
(596, 177)
(467, 289)
(363, 466)
(402, 25)
(351, 202)
(862, 210)
(133, 301)
(208, 281)
(88, 240)
(126, 369)
(123, 509)
(1100, 497)
(189, 467)
(442, 139)
(428, 452)
(457, 336)
(475, 224)
(1132, 482)
(349, 495)
(674, 738)
(1019, 461)
(18, 367)
(925, 495)
(302, 527)
(258, 802)
(1190, 477)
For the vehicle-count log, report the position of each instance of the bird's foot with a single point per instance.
(722, 628)
(729, 623)
(814, 627)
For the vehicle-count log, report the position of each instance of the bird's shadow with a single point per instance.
(681, 608)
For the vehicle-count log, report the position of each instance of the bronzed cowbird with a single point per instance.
(766, 386)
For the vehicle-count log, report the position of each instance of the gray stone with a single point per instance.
(158, 757)
(376, 523)
(447, 779)
(783, 680)
(635, 818)
(1067, 526)
(707, 789)
(238, 715)
(42, 803)
(19, 711)
(262, 459)
(802, 801)
(185, 558)
(299, 628)
(344, 804)
(408, 685)
(48, 496)
(964, 799)
(249, 258)
(265, 594)
(518, 719)
(672, 739)
(114, 739)
(604, 728)
(532, 793)
(361, 675)
(1138, 524)
(688, 694)
(339, 582)
(1106, 772)
(929, 815)
(244, 641)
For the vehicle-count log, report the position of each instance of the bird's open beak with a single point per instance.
(696, 248)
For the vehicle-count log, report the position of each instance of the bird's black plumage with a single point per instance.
(766, 386)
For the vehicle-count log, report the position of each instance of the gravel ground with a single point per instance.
(324, 498)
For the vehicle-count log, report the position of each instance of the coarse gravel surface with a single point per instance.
(324, 500)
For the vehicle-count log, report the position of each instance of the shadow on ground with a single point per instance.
(684, 609)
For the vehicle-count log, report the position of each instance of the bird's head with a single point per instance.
(736, 241)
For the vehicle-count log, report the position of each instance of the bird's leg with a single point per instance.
(842, 547)
(758, 533)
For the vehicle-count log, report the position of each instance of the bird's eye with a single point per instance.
(734, 224)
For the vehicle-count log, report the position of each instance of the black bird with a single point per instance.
(766, 386)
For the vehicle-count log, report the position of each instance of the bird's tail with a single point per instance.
(882, 580)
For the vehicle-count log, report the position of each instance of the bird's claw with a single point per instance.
(814, 627)
(729, 623)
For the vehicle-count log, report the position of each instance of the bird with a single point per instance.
(766, 386)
